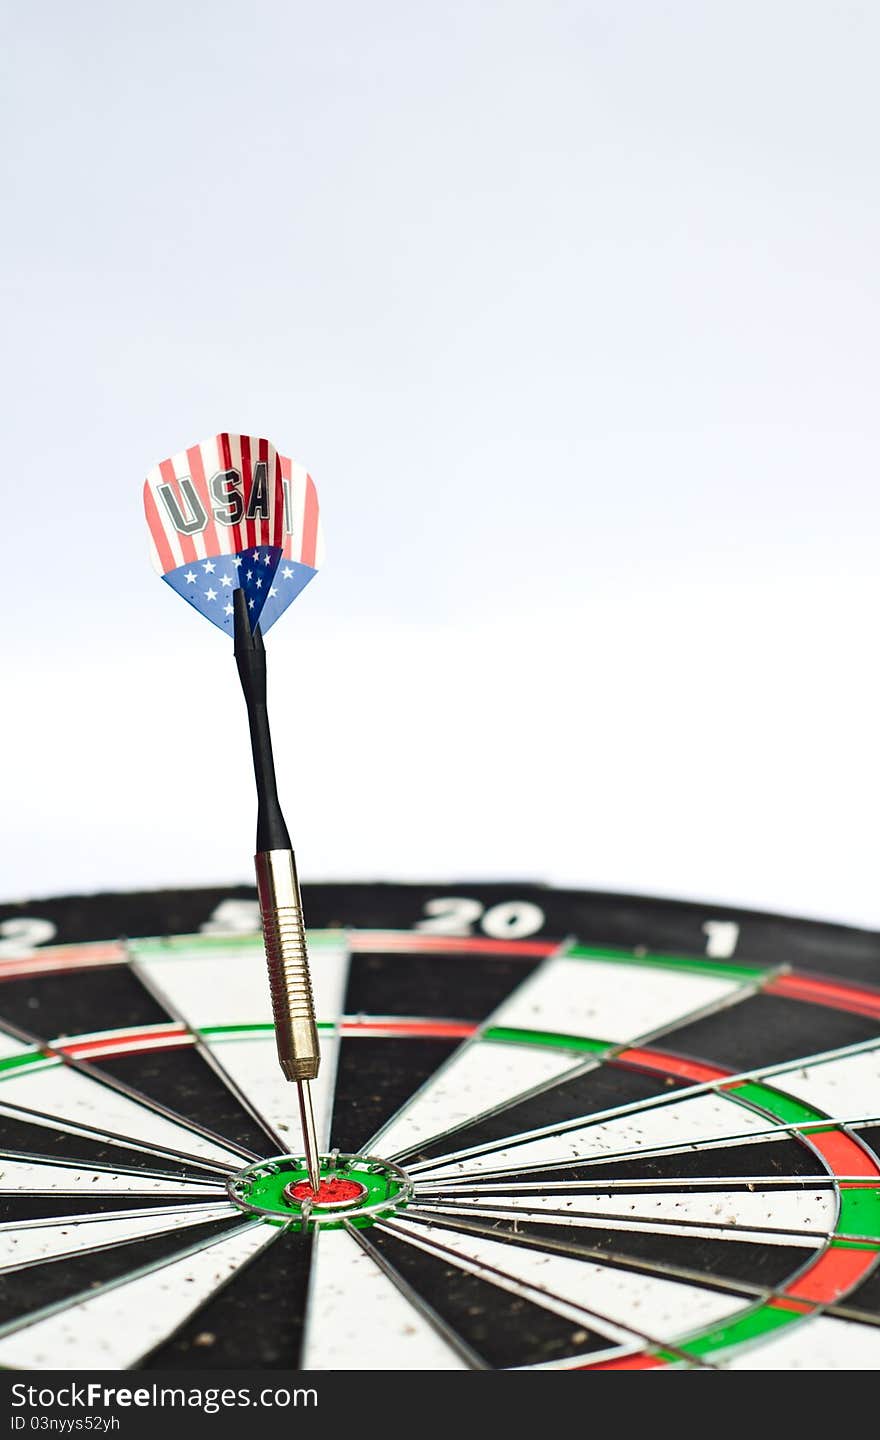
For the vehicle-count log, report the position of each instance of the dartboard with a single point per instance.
(567, 1131)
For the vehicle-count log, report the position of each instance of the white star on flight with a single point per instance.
(256, 555)
(287, 573)
(267, 559)
(237, 562)
(209, 567)
(190, 578)
(272, 591)
(225, 580)
(227, 609)
(250, 574)
(259, 583)
(250, 604)
(210, 594)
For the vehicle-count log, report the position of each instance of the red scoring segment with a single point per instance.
(329, 1192)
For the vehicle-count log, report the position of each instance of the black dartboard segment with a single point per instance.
(767, 1029)
(71, 1274)
(375, 1078)
(636, 1134)
(68, 1003)
(266, 1298)
(517, 1334)
(182, 1081)
(587, 1092)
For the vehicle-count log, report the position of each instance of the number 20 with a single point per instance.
(456, 915)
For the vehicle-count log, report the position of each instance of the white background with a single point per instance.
(571, 309)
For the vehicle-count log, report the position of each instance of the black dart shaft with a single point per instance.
(284, 933)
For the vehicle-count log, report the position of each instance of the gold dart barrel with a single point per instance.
(293, 1007)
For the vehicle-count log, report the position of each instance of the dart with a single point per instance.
(235, 531)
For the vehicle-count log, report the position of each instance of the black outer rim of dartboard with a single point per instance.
(665, 926)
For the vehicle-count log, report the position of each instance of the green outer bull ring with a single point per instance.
(259, 1189)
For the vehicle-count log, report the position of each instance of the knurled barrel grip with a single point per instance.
(290, 985)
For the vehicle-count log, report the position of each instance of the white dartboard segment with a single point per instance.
(118, 1325)
(608, 1000)
(358, 1318)
(251, 1062)
(673, 1123)
(212, 981)
(772, 1217)
(29, 1244)
(581, 1225)
(614, 1299)
(34, 1177)
(816, 1343)
(11, 1048)
(846, 1085)
(54, 1125)
(478, 1077)
(67, 1094)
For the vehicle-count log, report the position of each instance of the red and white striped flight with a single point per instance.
(232, 513)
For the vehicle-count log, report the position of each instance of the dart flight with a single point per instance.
(231, 513)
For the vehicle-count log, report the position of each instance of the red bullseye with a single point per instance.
(329, 1192)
